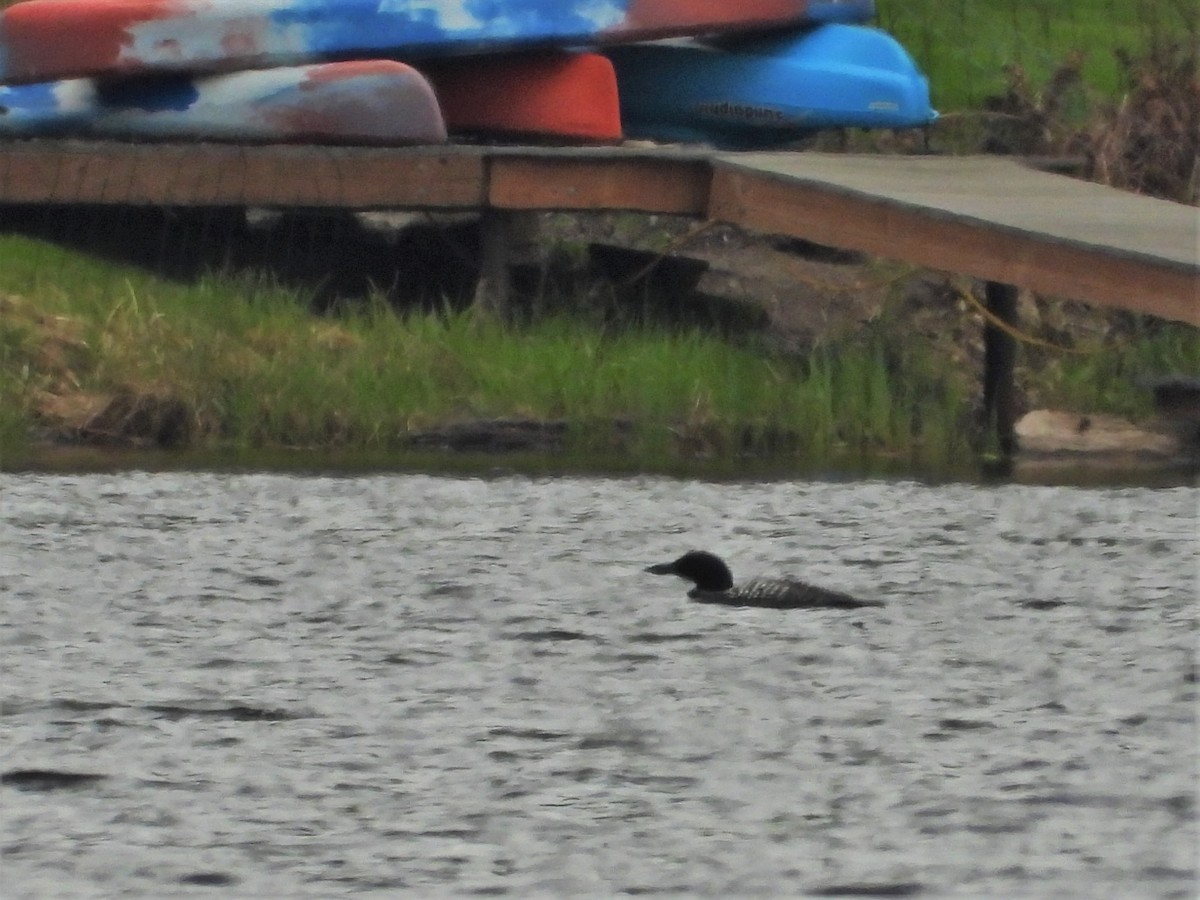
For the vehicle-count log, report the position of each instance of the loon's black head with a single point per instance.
(705, 569)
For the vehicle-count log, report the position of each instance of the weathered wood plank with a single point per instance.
(231, 175)
(674, 185)
(1095, 244)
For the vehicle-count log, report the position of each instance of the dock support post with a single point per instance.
(999, 365)
(495, 238)
(507, 238)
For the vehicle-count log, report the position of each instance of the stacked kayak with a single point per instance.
(770, 90)
(547, 95)
(396, 72)
(359, 101)
(44, 40)
(550, 95)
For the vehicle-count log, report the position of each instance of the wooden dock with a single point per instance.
(988, 217)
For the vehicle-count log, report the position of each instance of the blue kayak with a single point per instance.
(47, 40)
(840, 10)
(769, 91)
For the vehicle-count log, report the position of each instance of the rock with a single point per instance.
(1054, 433)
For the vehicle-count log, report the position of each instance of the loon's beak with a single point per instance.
(662, 569)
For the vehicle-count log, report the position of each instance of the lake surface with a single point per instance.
(290, 686)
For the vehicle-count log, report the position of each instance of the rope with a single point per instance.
(1013, 332)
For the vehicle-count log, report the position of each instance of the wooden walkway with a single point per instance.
(987, 217)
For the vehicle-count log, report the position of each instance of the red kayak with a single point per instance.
(552, 96)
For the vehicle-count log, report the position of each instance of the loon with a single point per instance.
(714, 584)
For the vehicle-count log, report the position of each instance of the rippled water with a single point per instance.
(311, 686)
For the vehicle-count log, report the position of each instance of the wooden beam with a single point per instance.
(850, 220)
(240, 175)
(672, 186)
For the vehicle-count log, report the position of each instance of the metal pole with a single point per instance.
(999, 364)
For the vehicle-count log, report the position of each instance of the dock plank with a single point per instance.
(210, 174)
(674, 185)
(989, 217)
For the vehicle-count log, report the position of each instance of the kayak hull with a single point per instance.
(769, 91)
(355, 102)
(551, 96)
(44, 40)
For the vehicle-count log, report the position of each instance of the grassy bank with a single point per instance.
(1108, 374)
(967, 47)
(90, 348)
(97, 353)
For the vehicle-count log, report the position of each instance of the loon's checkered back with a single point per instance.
(714, 584)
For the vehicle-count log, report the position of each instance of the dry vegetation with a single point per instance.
(1150, 141)
(1147, 141)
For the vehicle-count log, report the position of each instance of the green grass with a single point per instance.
(255, 370)
(1113, 379)
(965, 45)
